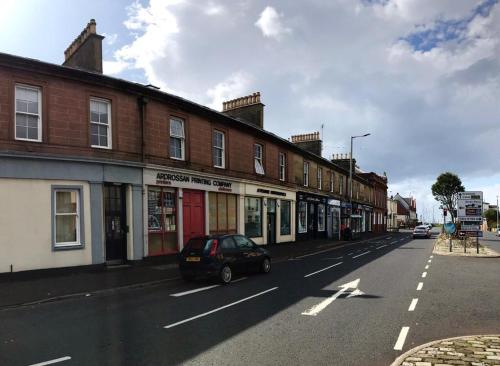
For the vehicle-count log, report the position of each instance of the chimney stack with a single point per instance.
(248, 108)
(85, 52)
(343, 160)
(310, 142)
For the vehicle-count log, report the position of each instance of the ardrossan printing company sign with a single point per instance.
(188, 181)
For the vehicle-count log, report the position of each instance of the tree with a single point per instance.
(491, 217)
(446, 190)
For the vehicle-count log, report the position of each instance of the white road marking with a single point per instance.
(424, 274)
(218, 309)
(420, 285)
(394, 242)
(351, 253)
(179, 294)
(324, 259)
(431, 257)
(429, 261)
(239, 279)
(65, 358)
(356, 292)
(316, 309)
(381, 246)
(401, 339)
(324, 269)
(427, 267)
(359, 255)
(413, 305)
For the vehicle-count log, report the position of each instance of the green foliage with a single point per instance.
(491, 217)
(446, 190)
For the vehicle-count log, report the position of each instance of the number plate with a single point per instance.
(192, 259)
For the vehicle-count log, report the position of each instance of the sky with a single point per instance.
(422, 76)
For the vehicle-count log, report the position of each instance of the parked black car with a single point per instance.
(221, 257)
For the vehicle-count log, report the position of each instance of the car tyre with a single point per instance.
(265, 266)
(226, 274)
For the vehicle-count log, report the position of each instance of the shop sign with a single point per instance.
(267, 191)
(346, 205)
(191, 181)
(470, 234)
(333, 202)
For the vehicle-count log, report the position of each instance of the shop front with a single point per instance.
(333, 219)
(268, 215)
(181, 205)
(356, 220)
(311, 216)
(367, 218)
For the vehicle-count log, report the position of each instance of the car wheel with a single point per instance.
(226, 274)
(265, 266)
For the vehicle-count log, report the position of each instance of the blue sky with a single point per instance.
(404, 70)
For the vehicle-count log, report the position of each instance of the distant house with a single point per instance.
(406, 211)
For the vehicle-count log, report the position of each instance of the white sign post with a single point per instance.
(470, 214)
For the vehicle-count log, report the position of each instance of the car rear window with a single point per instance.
(196, 244)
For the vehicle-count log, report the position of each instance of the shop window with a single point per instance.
(321, 217)
(177, 138)
(253, 217)
(162, 221)
(67, 218)
(219, 150)
(100, 123)
(306, 174)
(258, 158)
(282, 163)
(28, 113)
(302, 216)
(286, 213)
(222, 210)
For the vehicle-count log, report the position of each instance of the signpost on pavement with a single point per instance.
(470, 215)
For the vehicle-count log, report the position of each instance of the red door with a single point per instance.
(193, 212)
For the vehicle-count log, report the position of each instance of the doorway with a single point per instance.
(271, 221)
(115, 223)
(193, 214)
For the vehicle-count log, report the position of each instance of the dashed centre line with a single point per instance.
(359, 255)
(427, 267)
(381, 246)
(424, 274)
(321, 270)
(401, 338)
(413, 304)
(420, 285)
(51, 362)
(429, 261)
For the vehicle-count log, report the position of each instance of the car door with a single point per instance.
(250, 255)
(230, 253)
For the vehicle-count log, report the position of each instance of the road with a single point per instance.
(299, 314)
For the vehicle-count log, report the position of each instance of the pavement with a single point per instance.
(25, 288)
(362, 304)
(479, 350)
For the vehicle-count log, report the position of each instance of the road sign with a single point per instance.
(450, 227)
(470, 227)
(470, 234)
(470, 207)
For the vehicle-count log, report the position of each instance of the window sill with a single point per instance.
(101, 147)
(219, 167)
(59, 247)
(178, 159)
(28, 140)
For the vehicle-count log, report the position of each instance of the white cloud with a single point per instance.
(236, 85)
(110, 39)
(114, 67)
(271, 25)
(323, 101)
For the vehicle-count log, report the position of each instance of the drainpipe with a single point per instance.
(143, 101)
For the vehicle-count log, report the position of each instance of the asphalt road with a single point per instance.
(296, 315)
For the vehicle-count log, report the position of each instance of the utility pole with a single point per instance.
(497, 214)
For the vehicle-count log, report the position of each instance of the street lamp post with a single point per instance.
(497, 214)
(350, 177)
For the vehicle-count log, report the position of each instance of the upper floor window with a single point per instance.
(320, 178)
(306, 174)
(219, 150)
(28, 113)
(341, 185)
(259, 168)
(100, 123)
(177, 138)
(282, 163)
(331, 181)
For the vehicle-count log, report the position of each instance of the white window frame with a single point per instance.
(182, 138)
(221, 148)
(39, 94)
(306, 174)
(319, 178)
(282, 166)
(78, 242)
(258, 159)
(341, 185)
(108, 125)
(332, 185)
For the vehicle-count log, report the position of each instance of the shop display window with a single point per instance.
(285, 212)
(253, 217)
(302, 216)
(222, 210)
(321, 217)
(162, 220)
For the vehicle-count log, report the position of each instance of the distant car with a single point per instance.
(221, 257)
(498, 231)
(421, 231)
